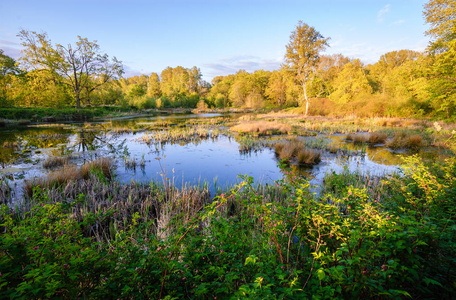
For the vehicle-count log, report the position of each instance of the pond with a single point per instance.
(182, 149)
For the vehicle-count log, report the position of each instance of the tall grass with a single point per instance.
(261, 128)
(405, 140)
(295, 151)
(61, 177)
(377, 138)
(5, 191)
(54, 162)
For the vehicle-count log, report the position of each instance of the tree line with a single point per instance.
(400, 83)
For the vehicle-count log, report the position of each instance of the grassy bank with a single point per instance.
(41, 114)
(365, 237)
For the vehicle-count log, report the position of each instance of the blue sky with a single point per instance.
(218, 36)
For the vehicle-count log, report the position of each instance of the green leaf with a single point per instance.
(431, 281)
(321, 274)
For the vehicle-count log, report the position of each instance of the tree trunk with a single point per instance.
(78, 101)
(304, 88)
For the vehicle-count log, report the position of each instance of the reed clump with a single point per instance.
(9, 144)
(53, 162)
(308, 157)
(103, 165)
(404, 140)
(115, 204)
(248, 144)
(176, 134)
(377, 138)
(357, 138)
(262, 128)
(69, 173)
(23, 122)
(295, 151)
(5, 191)
(56, 179)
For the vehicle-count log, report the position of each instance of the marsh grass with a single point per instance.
(114, 204)
(53, 162)
(248, 144)
(357, 138)
(5, 191)
(130, 163)
(61, 177)
(262, 128)
(120, 130)
(9, 144)
(308, 157)
(377, 138)
(405, 140)
(296, 151)
(23, 122)
(103, 165)
(177, 135)
(337, 184)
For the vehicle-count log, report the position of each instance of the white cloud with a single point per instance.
(398, 22)
(233, 64)
(11, 48)
(382, 12)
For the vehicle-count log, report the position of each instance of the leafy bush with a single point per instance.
(272, 242)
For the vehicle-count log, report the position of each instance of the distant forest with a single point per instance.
(402, 83)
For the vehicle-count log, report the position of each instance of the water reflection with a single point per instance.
(188, 157)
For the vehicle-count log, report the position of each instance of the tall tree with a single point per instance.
(8, 69)
(82, 66)
(303, 53)
(350, 83)
(153, 87)
(276, 90)
(441, 16)
(442, 82)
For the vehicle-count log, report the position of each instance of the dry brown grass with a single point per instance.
(357, 138)
(377, 138)
(168, 208)
(8, 144)
(54, 162)
(308, 157)
(55, 179)
(261, 127)
(406, 141)
(69, 173)
(102, 164)
(295, 150)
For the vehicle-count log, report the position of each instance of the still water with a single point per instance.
(214, 160)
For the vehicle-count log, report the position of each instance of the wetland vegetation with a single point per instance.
(84, 228)
(304, 182)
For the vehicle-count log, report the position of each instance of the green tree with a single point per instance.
(383, 74)
(351, 83)
(220, 90)
(442, 81)
(153, 88)
(81, 66)
(8, 70)
(441, 16)
(276, 90)
(303, 54)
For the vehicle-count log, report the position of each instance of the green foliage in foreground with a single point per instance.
(349, 244)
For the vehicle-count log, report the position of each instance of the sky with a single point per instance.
(218, 36)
